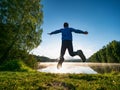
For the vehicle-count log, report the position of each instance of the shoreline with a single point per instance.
(98, 67)
(46, 64)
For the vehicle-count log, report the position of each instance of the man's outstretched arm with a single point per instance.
(55, 32)
(79, 31)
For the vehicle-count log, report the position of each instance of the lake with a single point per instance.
(77, 68)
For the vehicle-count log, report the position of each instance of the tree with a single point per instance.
(116, 50)
(20, 27)
(109, 53)
(103, 54)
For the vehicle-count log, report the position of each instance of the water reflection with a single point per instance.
(106, 67)
(72, 67)
(67, 68)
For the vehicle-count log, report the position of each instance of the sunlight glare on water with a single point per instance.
(67, 68)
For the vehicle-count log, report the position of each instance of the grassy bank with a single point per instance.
(47, 81)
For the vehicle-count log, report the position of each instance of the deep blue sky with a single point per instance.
(101, 18)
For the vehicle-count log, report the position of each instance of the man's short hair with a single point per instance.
(66, 24)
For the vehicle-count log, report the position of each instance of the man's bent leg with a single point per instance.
(79, 52)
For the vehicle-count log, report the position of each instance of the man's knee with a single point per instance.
(72, 54)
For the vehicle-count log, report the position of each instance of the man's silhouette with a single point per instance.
(67, 43)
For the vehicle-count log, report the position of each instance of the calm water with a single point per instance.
(72, 67)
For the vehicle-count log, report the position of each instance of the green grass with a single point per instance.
(47, 81)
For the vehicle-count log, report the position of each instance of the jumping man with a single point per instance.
(67, 43)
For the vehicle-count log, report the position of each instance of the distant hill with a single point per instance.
(44, 59)
(47, 59)
(109, 53)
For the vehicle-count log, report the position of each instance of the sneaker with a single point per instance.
(59, 65)
(81, 55)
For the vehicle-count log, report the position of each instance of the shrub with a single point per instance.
(14, 65)
(30, 61)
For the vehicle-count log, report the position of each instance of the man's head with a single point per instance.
(66, 25)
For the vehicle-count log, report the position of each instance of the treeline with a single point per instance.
(44, 59)
(109, 53)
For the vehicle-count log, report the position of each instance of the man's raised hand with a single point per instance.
(85, 32)
(49, 33)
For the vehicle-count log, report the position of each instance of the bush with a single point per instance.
(14, 65)
(30, 61)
